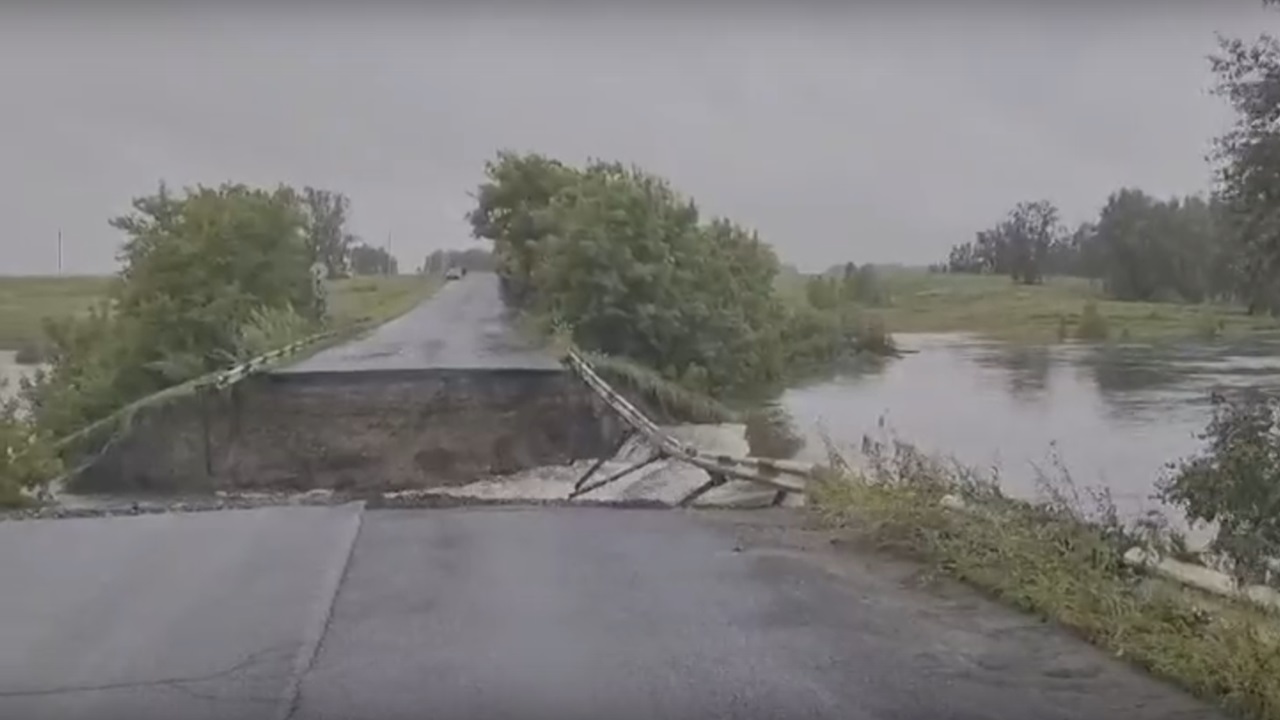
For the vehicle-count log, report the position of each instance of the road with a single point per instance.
(319, 613)
(464, 326)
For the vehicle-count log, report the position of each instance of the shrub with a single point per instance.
(1093, 326)
(1235, 483)
(629, 265)
(201, 270)
(27, 459)
(771, 433)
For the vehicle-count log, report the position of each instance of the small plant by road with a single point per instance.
(1234, 483)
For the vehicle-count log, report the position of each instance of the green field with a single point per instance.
(26, 301)
(918, 302)
(995, 307)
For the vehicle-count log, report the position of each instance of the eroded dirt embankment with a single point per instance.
(356, 432)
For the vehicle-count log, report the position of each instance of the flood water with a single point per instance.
(1117, 415)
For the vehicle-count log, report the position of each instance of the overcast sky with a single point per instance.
(869, 134)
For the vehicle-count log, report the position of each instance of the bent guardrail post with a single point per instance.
(599, 463)
(715, 481)
(653, 458)
(781, 475)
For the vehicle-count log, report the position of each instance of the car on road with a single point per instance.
(454, 273)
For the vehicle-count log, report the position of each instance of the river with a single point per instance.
(1115, 415)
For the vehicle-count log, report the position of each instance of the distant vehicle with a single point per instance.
(454, 273)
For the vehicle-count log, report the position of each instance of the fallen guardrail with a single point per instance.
(236, 373)
(783, 476)
(218, 380)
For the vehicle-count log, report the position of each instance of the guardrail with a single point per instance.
(219, 380)
(784, 476)
(236, 373)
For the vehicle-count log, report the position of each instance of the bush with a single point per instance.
(627, 263)
(27, 459)
(201, 271)
(1235, 483)
(771, 433)
(1093, 326)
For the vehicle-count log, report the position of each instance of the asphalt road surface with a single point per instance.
(464, 325)
(565, 613)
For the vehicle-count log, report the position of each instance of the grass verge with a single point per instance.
(1062, 562)
(25, 303)
(995, 307)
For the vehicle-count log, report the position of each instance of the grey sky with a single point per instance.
(868, 135)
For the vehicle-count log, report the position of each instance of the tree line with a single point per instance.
(629, 267)
(471, 260)
(1223, 247)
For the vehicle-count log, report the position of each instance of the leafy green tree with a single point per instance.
(512, 210)
(27, 459)
(625, 262)
(197, 268)
(1029, 232)
(369, 260)
(1235, 482)
(327, 236)
(471, 260)
(632, 271)
(1248, 161)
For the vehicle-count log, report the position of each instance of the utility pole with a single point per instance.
(59, 251)
(387, 250)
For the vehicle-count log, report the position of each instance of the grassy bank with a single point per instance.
(25, 302)
(995, 307)
(1062, 562)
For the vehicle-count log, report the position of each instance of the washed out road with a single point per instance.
(465, 326)
(318, 613)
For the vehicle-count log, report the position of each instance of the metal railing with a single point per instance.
(784, 476)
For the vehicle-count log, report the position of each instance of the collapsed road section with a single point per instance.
(445, 394)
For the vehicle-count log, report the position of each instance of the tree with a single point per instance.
(197, 270)
(471, 260)
(368, 260)
(327, 235)
(512, 210)
(627, 264)
(1029, 232)
(1233, 482)
(1248, 161)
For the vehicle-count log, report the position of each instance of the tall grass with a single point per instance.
(1059, 559)
(677, 402)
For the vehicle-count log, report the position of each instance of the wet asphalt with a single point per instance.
(337, 613)
(464, 326)
(333, 612)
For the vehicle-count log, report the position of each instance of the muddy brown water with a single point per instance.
(1113, 416)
